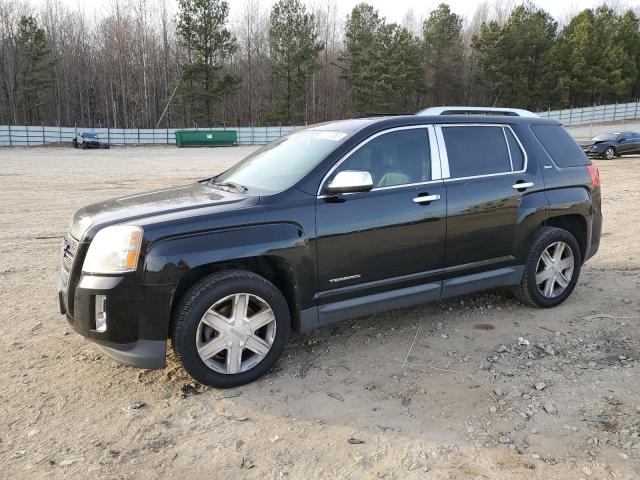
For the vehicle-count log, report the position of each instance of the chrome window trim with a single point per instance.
(506, 140)
(444, 157)
(435, 164)
(500, 125)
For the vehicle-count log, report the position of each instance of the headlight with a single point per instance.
(114, 249)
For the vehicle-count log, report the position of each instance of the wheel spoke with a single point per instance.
(240, 306)
(546, 258)
(257, 345)
(548, 287)
(260, 319)
(212, 347)
(544, 275)
(234, 358)
(566, 263)
(562, 280)
(557, 254)
(216, 321)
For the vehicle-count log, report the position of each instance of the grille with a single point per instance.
(69, 246)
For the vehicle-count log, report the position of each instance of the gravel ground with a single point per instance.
(470, 402)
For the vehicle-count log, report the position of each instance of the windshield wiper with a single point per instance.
(233, 185)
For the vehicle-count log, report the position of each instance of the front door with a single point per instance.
(391, 237)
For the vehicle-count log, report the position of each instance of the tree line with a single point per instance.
(143, 66)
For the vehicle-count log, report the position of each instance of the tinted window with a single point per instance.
(562, 149)
(517, 157)
(476, 150)
(394, 158)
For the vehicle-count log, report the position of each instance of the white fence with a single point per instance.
(602, 113)
(26, 136)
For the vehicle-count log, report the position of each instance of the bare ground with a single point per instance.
(339, 404)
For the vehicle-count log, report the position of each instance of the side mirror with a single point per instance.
(350, 181)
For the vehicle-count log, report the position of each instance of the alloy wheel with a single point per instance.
(236, 333)
(555, 269)
(609, 153)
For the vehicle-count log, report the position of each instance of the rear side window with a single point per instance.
(562, 149)
(476, 150)
(517, 157)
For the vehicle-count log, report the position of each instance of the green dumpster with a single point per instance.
(206, 138)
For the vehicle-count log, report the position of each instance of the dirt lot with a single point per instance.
(469, 403)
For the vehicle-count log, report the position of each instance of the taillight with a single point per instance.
(595, 175)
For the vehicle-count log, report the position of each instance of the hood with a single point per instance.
(591, 143)
(157, 202)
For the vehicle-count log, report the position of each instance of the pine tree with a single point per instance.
(34, 79)
(356, 63)
(202, 32)
(443, 54)
(293, 49)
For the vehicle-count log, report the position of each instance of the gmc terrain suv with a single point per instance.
(331, 222)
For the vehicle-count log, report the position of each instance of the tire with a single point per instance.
(218, 296)
(609, 153)
(532, 293)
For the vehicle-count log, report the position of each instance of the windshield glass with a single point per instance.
(282, 163)
(604, 137)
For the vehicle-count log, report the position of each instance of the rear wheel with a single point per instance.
(552, 269)
(230, 328)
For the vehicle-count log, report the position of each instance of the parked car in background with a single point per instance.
(332, 222)
(88, 140)
(613, 144)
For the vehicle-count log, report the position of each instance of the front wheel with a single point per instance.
(230, 328)
(609, 153)
(552, 269)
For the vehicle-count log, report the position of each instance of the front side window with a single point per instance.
(280, 164)
(475, 150)
(396, 158)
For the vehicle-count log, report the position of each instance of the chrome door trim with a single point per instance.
(445, 157)
(367, 140)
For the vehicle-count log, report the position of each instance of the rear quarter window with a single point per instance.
(562, 149)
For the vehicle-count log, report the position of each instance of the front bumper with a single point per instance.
(140, 354)
(137, 316)
(593, 153)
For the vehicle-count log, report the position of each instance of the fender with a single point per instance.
(577, 201)
(168, 260)
(532, 212)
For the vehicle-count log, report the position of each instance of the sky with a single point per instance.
(393, 10)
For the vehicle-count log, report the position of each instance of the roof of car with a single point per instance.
(353, 125)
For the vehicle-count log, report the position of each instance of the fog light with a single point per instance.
(101, 313)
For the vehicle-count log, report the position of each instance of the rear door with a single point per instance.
(488, 175)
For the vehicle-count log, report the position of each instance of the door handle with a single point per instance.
(426, 198)
(522, 185)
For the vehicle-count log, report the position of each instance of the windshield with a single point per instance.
(280, 164)
(605, 137)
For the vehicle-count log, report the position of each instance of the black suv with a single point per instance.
(332, 222)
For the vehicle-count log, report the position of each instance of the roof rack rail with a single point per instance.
(514, 112)
(379, 114)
